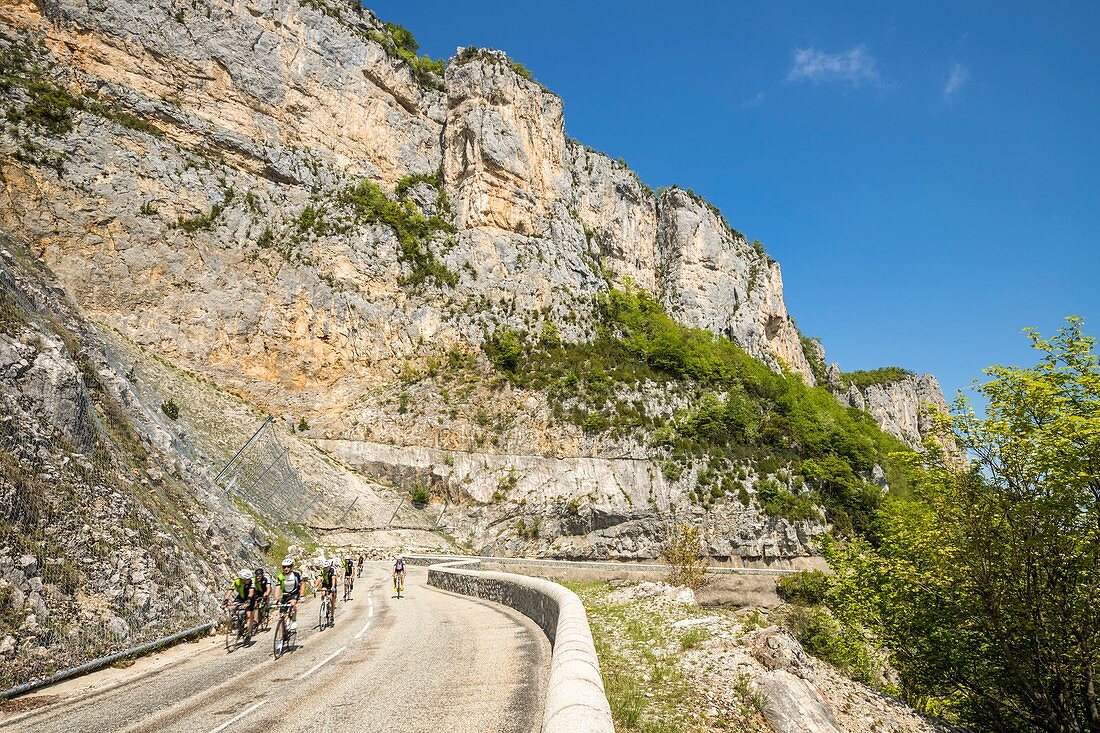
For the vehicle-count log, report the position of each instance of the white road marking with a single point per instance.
(237, 717)
(363, 630)
(316, 667)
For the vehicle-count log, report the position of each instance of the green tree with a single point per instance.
(985, 586)
(505, 349)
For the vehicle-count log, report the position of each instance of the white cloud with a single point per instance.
(956, 80)
(855, 67)
(755, 101)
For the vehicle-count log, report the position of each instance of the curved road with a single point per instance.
(431, 661)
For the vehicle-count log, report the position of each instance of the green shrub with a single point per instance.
(779, 502)
(684, 554)
(369, 204)
(171, 409)
(808, 588)
(303, 425)
(884, 375)
(407, 183)
(822, 635)
(505, 349)
(419, 495)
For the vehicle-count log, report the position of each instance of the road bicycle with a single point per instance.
(238, 626)
(263, 614)
(286, 636)
(347, 589)
(359, 571)
(398, 585)
(325, 614)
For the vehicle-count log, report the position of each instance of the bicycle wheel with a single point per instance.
(246, 628)
(332, 614)
(322, 615)
(280, 638)
(229, 632)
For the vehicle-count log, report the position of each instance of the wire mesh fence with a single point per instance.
(88, 569)
(262, 477)
(93, 563)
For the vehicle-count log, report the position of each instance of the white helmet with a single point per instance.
(288, 562)
(244, 574)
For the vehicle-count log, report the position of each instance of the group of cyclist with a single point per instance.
(252, 590)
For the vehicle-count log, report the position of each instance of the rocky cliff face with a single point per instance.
(902, 407)
(281, 103)
(107, 538)
(266, 193)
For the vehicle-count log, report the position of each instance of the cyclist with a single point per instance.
(326, 580)
(288, 584)
(262, 584)
(349, 573)
(359, 569)
(399, 571)
(242, 594)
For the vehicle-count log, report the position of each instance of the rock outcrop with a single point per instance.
(901, 407)
(89, 499)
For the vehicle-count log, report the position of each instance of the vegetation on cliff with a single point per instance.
(739, 412)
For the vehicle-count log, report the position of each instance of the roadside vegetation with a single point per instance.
(982, 587)
(641, 654)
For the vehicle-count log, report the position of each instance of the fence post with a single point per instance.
(347, 512)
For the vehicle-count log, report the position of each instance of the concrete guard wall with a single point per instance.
(575, 698)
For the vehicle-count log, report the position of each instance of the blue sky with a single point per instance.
(928, 175)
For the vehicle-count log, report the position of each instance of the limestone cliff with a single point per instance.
(274, 195)
(901, 407)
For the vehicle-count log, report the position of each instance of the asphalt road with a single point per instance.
(431, 661)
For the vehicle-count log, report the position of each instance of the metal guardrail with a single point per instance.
(104, 661)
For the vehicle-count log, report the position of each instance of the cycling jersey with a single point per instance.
(290, 583)
(398, 566)
(348, 567)
(242, 588)
(262, 585)
(328, 578)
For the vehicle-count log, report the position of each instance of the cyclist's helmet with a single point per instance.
(244, 574)
(259, 571)
(288, 562)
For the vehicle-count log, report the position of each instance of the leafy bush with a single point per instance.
(884, 375)
(407, 183)
(505, 349)
(807, 588)
(369, 204)
(684, 554)
(822, 635)
(399, 42)
(171, 409)
(779, 502)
